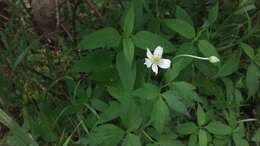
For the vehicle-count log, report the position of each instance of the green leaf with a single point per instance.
(239, 141)
(132, 140)
(160, 115)
(106, 135)
(245, 9)
(218, 128)
(183, 15)
(19, 133)
(174, 102)
(170, 143)
(126, 72)
(203, 139)
(129, 21)
(180, 64)
(201, 116)
(177, 67)
(187, 128)
(146, 39)
(153, 144)
(186, 90)
(256, 137)
(105, 37)
(248, 50)
(110, 113)
(252, 79)
(129, 49)
(20, 58)
(230, 66)
(139, 11)
(213, 14)
(207, 49)
(131, 115)
(183, 28)
(93, 63)
(193, 140)
(106, 75)
(118, 93)
(148, 91)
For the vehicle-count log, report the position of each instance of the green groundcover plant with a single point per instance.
(141, 73)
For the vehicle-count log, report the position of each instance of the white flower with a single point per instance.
(213, 59)
(154, 60)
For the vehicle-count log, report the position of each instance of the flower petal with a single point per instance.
(148, 62)
(158, 51)
(165, 63)
(155, 68)
(149, 54)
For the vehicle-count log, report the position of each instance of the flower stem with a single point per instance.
(191, 56)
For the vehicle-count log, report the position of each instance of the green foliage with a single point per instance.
(131, 140)
(145, 39)
(181, 27)
(106, 135)
(160, 115)
(105, 37)
(218, 128)
(86, 84)
(20, 135)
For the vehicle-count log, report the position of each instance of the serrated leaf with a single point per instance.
(131, 115)
(105, 37)
(126, 72)
(187, 128)
(111, 113)
(207, 49)
(213, 14)
(201, 116)
(203, 139)
(183, 15)
(160, 115)
(256, 137)
(239, 141)
(148, 91)
(186, 90)
(132, 140)
(146, 39)
(174, 103)
(129, 49)
(129, 21)
(193, 140)
(118, 93)
(230, 66)
(252, 79)
(92, 62)
(107, 75)
(183, 28)
(170, 143)
(106, 135)
(248, 50)
(218, 128)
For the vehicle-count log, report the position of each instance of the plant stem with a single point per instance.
(191, 56)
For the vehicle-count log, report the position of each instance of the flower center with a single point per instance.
(155, 59)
